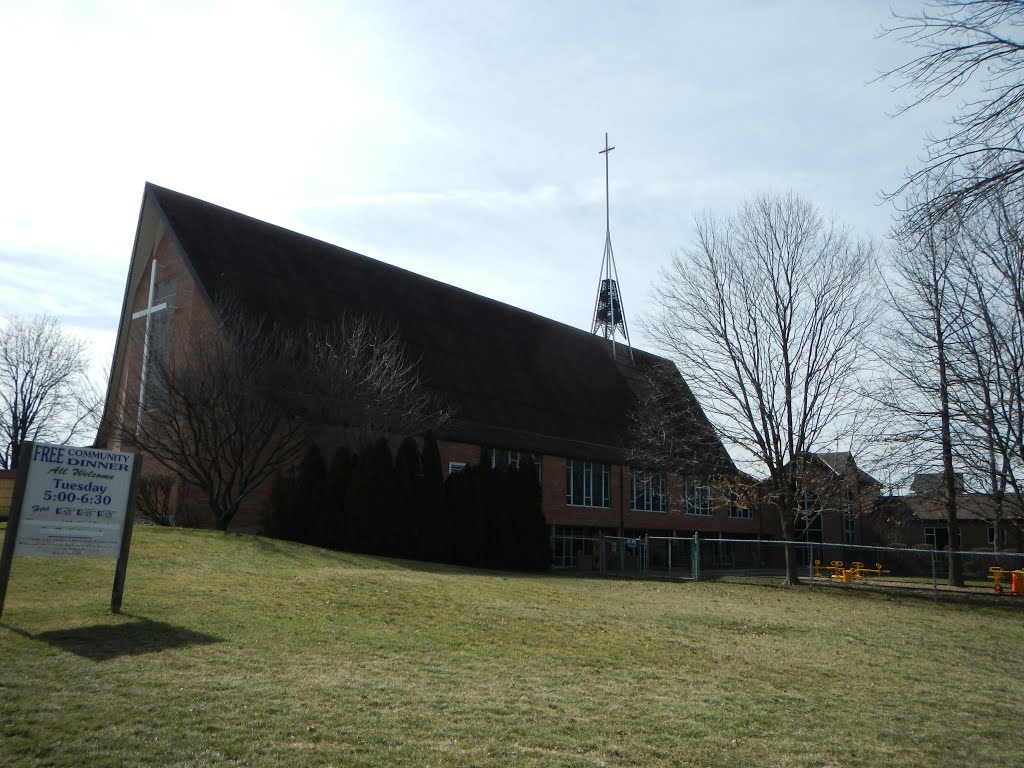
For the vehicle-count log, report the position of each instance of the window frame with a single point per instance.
(991, 535)
(697, 499)
(652, 498)
(590, 481)
(736, 510)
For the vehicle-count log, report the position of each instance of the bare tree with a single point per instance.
(957, 357)
(155, 499)
(364, 382)
(988, 397)
(929, 302)
(765, 314)
(963, 42)
(667, 430)
(45, 393)
(226, 409)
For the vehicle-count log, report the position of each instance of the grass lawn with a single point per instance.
(240, 650)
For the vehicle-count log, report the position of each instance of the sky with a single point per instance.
(457, 139)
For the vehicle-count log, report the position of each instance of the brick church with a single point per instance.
(521, 385)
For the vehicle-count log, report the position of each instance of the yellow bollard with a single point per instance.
(997, 577)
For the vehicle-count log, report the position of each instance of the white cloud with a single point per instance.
(457, 139)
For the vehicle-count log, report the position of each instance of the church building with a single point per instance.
(520, 384)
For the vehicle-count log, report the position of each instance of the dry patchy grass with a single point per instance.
(241, 650)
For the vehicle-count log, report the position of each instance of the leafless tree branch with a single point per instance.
(45, 393)
(227, 409)
(964, 42)
(766, 315)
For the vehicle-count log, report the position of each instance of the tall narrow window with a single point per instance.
(850, 520)
(160, 344)
(938, 537)
(587, 484)
(992, 535)
(696, 498)
(808, 522)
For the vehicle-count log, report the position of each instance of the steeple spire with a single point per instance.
(609, 314)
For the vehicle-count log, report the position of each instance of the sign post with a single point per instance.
(126, 539)
(72, 502)
(13, 519)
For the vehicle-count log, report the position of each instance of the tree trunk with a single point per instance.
(222, 517)
(956, 576)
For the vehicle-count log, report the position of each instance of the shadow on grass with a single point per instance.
(102, 642)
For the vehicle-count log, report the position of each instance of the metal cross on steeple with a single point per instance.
(609, 313)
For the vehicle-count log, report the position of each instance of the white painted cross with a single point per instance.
(148, 314)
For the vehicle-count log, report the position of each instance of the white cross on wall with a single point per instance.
(148, 314)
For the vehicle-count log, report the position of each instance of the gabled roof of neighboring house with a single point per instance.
(933, 483)
(843, 464)
(518, 380)
(969, 506)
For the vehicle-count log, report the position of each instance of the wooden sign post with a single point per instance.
(72, 502)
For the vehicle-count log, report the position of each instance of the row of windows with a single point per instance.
(937, 536)
(499, 458)
(588, 484)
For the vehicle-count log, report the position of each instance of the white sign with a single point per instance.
(75, 503)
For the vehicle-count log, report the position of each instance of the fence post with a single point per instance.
(695, 559)
(810, 564)
(671, 543)
(602, 566)
(935, 583)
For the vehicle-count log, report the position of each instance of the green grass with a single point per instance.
(239, 650)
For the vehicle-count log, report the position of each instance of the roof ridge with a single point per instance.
(388, 265)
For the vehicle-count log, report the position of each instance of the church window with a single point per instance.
(498, 458)
(648, 491)
(737, 509)
(696, 498)
(587, 483)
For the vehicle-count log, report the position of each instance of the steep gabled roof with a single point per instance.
(518, 380)
(843, 464)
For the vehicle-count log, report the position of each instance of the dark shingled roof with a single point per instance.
(842, 463)
(969, 506)
(518, 380)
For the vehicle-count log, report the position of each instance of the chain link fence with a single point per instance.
(647, 557)
(911, 570)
